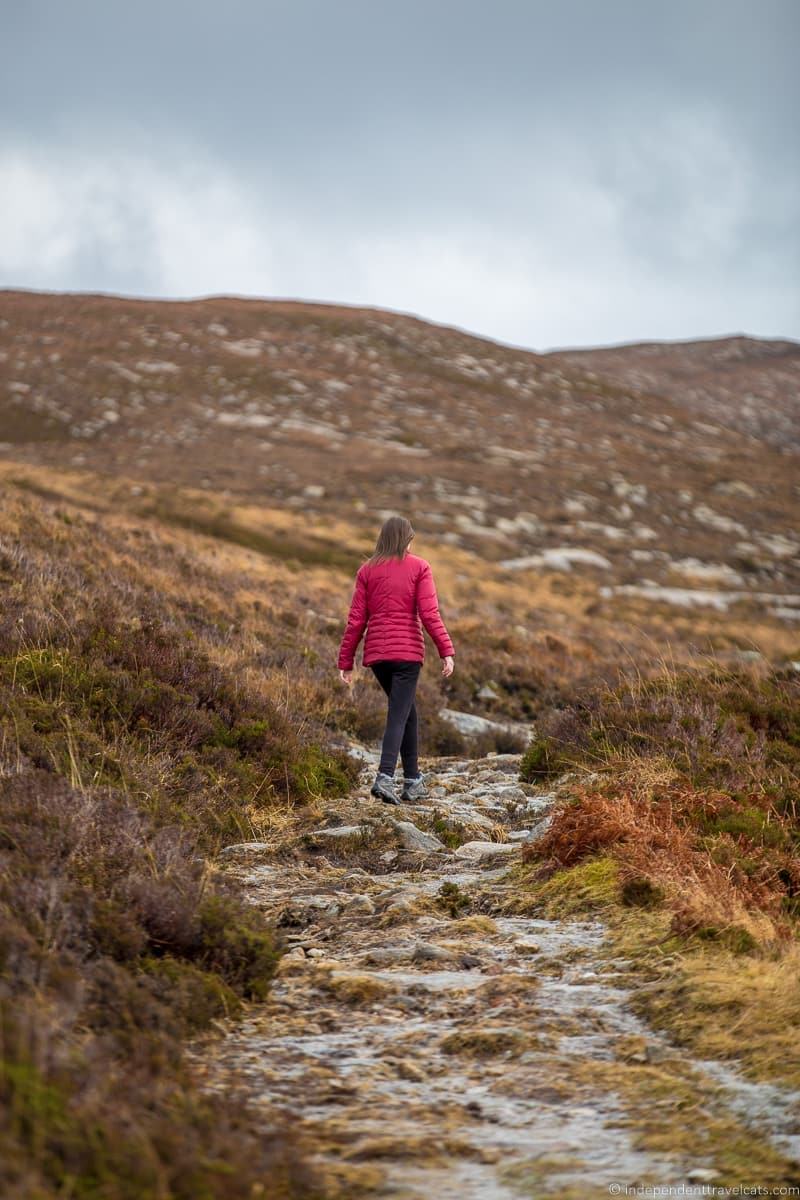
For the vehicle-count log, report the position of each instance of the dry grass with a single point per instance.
(651, 837)
(680, 824)
(694, 790)
(727, 1006)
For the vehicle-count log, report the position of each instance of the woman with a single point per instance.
(394, 591)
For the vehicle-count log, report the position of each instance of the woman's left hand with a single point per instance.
(346, 677)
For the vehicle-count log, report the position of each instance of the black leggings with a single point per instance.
(399, 681)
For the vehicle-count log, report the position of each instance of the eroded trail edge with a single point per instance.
(428, 1040)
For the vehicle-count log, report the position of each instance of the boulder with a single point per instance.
(387, 956)
(358, 905)
(460, 815)
(428, 952)
(415, 839)
(470, 724)
(247, 848)
(291, 962)
(481, 851)
(512, 794)
(341, 831)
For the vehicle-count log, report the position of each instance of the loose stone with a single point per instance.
(415, 839)
(480, 851)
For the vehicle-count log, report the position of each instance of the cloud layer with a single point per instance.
(545, 175)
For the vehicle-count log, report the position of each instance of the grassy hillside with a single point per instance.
(640, 474)
(185, 493)
(132, 746)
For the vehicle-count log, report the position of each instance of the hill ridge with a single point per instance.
(660, 466)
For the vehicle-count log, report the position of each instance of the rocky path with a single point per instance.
(429, 1044)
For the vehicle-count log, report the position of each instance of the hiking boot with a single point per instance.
(383, 788)
(414, 790)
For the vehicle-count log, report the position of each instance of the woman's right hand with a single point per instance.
(447, 665)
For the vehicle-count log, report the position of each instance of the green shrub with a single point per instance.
(639, 892)
(731, 937)
(540, 760)
(232, 943)
(453, 900)
(198, 996)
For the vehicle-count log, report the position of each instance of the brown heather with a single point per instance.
(691, 782)
(131, 749)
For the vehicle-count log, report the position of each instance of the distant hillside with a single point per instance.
(664, 472)
(750, 384)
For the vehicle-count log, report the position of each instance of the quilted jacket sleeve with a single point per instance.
(356, 623)
(428, 609)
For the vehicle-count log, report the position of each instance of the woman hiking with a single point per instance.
(394, 591)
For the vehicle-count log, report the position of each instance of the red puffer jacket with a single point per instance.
(390, 599)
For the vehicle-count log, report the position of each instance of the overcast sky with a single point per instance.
(576, 172)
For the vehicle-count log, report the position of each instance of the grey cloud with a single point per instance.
(543, 173)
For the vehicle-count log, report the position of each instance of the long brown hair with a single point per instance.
(393, 540)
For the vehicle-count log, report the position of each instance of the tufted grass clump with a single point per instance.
(451, 898)
(540, 760)
(583, 888)
(485, 1043)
